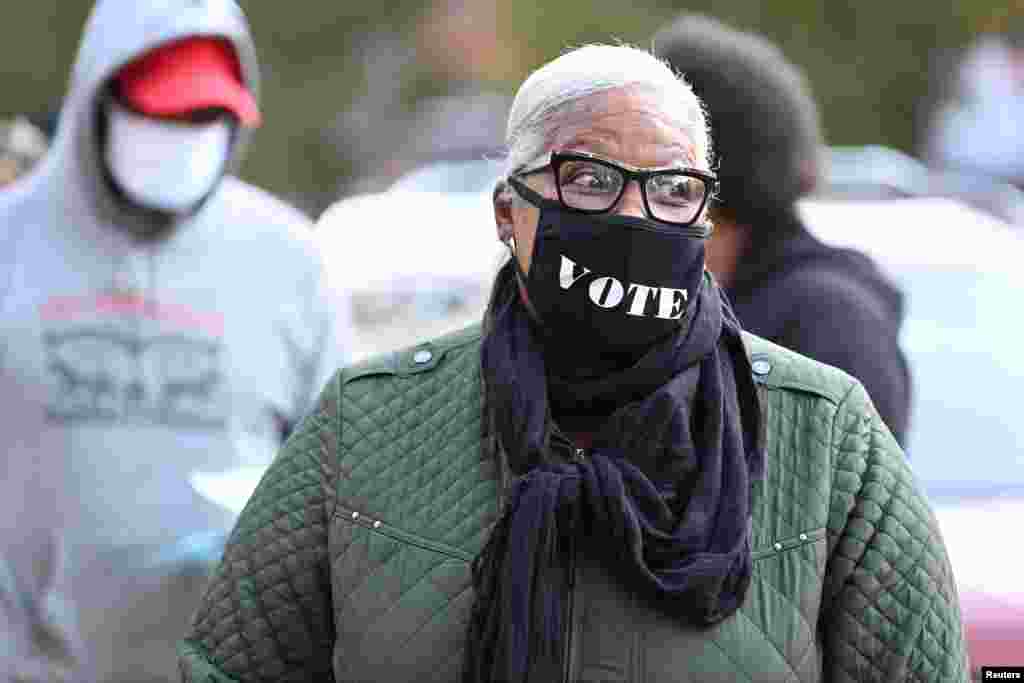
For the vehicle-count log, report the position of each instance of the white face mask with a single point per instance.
(165, 165)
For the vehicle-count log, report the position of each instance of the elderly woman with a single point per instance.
(608, 480)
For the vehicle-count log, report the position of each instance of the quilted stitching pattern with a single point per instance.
(387, 590)
(411, 462)
(794, 495)
(891, 604)
(399, 595)
(407, 448)
(266, 615)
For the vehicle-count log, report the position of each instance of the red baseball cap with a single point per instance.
(185, 76)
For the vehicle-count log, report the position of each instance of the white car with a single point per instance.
(419, 258)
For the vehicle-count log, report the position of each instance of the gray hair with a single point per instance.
(560, 89)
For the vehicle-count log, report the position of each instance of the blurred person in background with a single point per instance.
(160, 318)
(833, 305)
(22, 145)
(979, 128)
(450, 67)
(608, 478)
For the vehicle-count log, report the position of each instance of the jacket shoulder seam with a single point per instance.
(803, 388)
(408, 361)
(833, 386)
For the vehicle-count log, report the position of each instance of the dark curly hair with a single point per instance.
(764, 123)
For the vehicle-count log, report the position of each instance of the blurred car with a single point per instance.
(877, 172)
(418, 258)
(960, 269)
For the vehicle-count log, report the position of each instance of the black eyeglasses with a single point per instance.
(591, 184)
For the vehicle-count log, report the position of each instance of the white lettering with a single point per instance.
(671, 303)
(607, 292)
(567, 275)
(640, 295)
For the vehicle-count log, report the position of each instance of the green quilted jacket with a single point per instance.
(351, 560)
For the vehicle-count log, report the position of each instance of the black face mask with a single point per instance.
(608, 283)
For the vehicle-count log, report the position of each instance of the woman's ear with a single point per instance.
(810, 175)
(503, 220)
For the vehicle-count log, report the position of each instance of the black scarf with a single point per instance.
(678, 535)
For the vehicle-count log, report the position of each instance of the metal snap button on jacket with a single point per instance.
(761, 367)
(422, 356)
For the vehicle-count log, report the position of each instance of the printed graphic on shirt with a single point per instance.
(120, 358)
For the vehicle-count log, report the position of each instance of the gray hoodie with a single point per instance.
(128, 363)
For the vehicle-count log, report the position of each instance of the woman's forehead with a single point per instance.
(630, 127)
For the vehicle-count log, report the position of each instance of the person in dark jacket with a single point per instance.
(606, 480)
(831, 304)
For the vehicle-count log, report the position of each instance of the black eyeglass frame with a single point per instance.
(629, 173)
